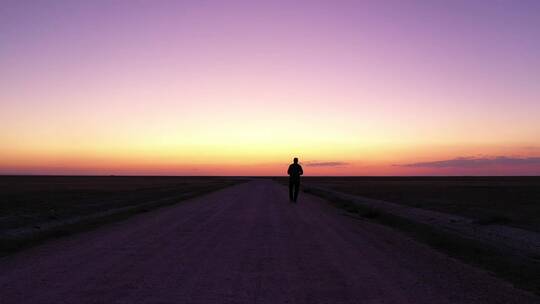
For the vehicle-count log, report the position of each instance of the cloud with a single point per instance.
(325, 164)
(475, 162)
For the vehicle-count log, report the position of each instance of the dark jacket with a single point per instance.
(295, 170)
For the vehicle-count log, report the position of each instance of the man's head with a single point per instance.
(295, 160)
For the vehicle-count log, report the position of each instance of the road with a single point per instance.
(245, 244)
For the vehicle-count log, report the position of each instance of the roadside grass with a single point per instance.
(494, 219)
(506, 200)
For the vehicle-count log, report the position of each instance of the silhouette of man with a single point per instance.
(295, 170)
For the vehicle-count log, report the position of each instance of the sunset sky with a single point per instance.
(241, 87)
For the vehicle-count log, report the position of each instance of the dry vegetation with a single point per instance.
(513, 201)
(33, 208)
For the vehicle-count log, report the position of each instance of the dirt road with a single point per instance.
(245, 244)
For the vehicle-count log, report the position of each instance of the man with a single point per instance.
(295, 170)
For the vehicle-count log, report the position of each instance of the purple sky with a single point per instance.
(88, 86)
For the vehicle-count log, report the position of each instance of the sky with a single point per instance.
(241, 87)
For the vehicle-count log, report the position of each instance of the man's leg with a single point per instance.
(291, 186)
(296, 190)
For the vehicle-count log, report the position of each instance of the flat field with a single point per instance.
(34, 202)
(513, 201)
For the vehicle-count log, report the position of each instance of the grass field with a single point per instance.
(513, 201)
(32, 203)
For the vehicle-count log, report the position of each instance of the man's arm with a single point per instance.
(301, 171)
(289, 171)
